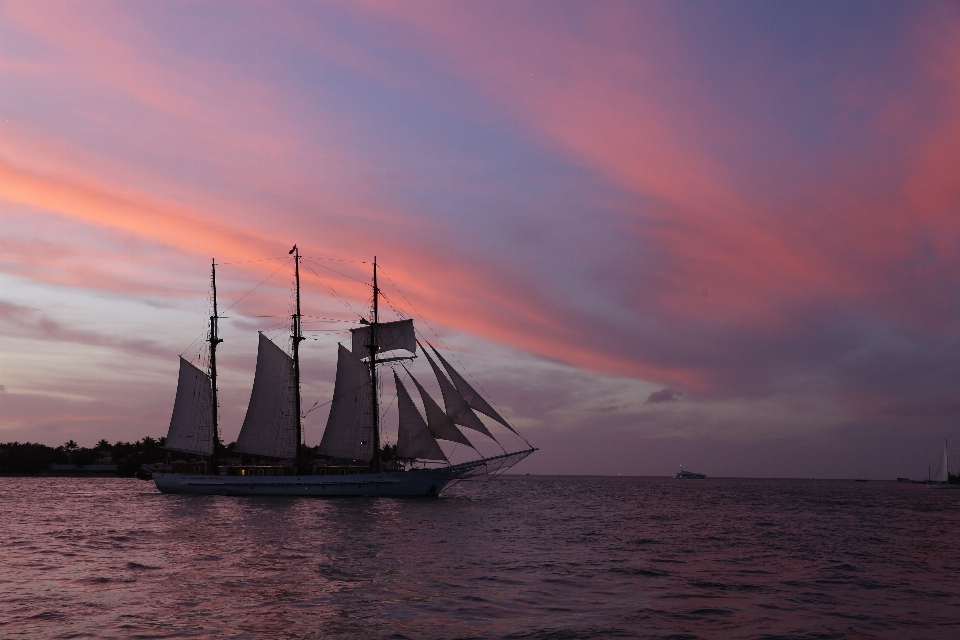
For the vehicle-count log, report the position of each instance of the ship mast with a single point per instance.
(297, 339)
(374, 336)
(214, 341)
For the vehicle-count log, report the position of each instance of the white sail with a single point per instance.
(439, 423)
(390, 337)
(270, 426)
(943, 473)
(414, 439)
(457, 408)
(191, 429)
(349, 430)
(468, 393)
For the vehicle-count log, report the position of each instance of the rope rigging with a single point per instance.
(322, 333)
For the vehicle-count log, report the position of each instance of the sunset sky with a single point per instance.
(722, 235)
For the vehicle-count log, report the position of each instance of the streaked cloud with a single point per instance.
(756, 204)
(665, 395)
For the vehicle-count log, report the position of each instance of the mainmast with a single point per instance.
(374, 336)
(214, 341)
(297, 339)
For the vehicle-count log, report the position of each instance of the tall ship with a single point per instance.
(349, 460)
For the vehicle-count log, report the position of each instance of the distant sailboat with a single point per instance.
(943, 478)
(942, 471)
(350, 447)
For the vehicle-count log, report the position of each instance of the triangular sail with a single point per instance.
(270, 426)
(191, 425)
(468, 393)
(349, 430)
(414, 439)
(390, 337)
(457, 408)
(943, 474)
(439, 423)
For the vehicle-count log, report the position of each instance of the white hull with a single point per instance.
(416, 482)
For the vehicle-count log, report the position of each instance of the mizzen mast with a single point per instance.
(374, 335)
(297, 339)
(214, 341)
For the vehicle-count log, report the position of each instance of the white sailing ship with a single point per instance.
(350, 463)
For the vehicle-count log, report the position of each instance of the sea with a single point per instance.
(516, 557)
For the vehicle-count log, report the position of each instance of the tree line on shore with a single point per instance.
(29, 458)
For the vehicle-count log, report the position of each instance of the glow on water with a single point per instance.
(519, 557)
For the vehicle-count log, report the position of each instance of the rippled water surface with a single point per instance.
(519, 557)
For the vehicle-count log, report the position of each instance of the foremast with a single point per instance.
(297, 338)
(214, 341)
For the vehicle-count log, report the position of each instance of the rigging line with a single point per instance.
(249, 261)
(426, 324)
(420, 315)
(465, 370)
(274, 326)
(334, 259)
(318, 338)
(384, 412)
(317, 406)
(258, 286)
(486, 395)
(401, 293)
(338, 272)
(202, 335)
(333, 291)
(318, 401)
(395, 307)
(323, 322)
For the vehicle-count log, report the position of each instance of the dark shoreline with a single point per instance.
(66, 474)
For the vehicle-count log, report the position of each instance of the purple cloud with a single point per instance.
(665, 395)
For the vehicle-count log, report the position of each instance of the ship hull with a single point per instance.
(415, 482)
(421, 482)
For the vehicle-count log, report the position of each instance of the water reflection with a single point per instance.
(520, 557)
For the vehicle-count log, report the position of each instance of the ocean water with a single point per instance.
(517, 557)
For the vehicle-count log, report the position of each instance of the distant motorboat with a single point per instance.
(689, 475)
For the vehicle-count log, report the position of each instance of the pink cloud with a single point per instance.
(720, 271)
